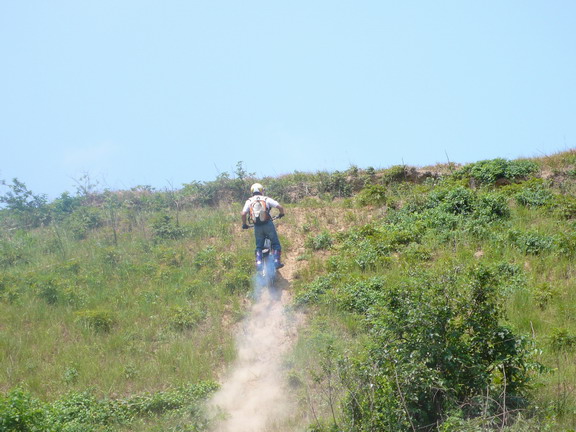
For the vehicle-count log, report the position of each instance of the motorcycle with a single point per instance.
(266, 269)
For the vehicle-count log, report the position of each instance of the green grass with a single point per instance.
(117, 298)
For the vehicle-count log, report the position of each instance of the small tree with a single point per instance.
(25, 208)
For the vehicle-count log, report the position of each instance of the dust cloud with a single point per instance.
(253, 396)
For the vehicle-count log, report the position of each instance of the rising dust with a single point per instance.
(253, 397)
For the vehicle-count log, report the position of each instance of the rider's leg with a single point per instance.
(260, 237)
(270, 230)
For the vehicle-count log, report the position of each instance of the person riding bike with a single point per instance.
(258, 207)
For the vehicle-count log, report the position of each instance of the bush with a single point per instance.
(456, 200)
(100, 321)
(562, 340)
(534, 195)
(83, 412)
(165, 227)
(321, 241)
(83, 220)
(492, 206)
(372, 194)
(19, 411)
(205, 258)
(439, 338)
(12, 252)
(532, 242)
(334, 184)
(185, 318)
(237, 281)
(565, 206)
(488, 172)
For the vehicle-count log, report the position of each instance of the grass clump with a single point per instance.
(489, 172)
(97, 320)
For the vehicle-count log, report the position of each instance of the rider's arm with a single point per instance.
(273, 203)
(244, 213)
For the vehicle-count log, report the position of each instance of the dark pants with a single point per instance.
(267, 229)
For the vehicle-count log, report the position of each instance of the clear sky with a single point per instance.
(161, 93)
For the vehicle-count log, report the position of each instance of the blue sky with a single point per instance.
(164, 93)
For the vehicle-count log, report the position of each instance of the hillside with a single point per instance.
(438, 298)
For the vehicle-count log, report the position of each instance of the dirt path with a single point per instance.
(254, 397)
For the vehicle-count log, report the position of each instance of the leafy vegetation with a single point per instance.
(443, 301)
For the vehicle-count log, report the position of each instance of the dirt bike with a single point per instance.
(266, 271)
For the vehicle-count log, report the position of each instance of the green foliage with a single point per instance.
(97, 320)
(492, 206)
(20, 412)
(165, 227)
(534, 195)
(394, 174)
(532, 242)
(321, 241)
(83, 220)
(13, 251)
(205, 258)
(334, 184)
(64, 206)
(372, 194)
(437, 344)
(562, 340)
(186, 318)
(25, 208)
(565, 206)
(488, 172)
(237, 281)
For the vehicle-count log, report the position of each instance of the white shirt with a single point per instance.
(269, 203)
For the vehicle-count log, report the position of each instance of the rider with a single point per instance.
(266, 228)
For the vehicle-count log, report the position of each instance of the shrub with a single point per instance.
(83, 220)
(488, 172)
(394, 174)
(100, 321)
(205, 258)
(185, 318)
(165, 227)
(562, 340)
(532, 242)
(535, 195)
(19, 411)
(565, 206)
(455, 200)
(492, 206)
(440, 339)
(237, 281)
(372, 194)
(12, 253)
(335, 184)
(321, 241)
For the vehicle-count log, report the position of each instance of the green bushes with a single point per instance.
(488, 172)
(437, 345)
(165, 227)
(82, 411)
(83, 220)
(97, 320)
(185, 318)
(321, 241)
(534, 195)
(372, 194)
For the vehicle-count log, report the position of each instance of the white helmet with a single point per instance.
(256, 188)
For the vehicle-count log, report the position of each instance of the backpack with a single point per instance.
(259, 211)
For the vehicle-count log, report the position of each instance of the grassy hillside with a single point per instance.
(437, 299)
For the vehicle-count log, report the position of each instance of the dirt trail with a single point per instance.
(253, 397)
